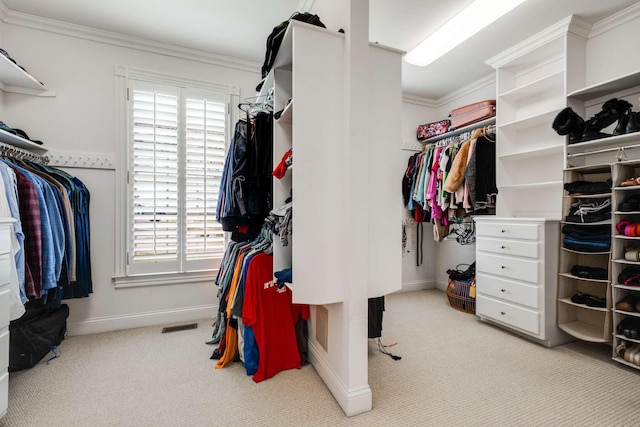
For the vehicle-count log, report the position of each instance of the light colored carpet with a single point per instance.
(455, 371)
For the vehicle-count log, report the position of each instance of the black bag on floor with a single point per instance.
(32, 336)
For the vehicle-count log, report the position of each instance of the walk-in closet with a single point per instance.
(299, 212)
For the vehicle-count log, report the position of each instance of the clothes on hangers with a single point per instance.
(51, 212)
(245, 196)
(451, 178)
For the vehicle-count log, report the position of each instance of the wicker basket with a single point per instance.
(461, 295)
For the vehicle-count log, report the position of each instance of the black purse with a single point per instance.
(463, 275)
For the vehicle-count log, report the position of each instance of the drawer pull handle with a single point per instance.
(503, 267)
(503, 247)
(503, 313)
(503, 231)
(503, 290)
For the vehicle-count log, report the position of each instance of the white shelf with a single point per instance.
(608, 142)
(583, 331)
(16, 141)
(530, 186)
(15, 79)
(534, 88)
(585, 253)
(589, 196)
(603, 168)
(629, 288)
(620, 236)
(627, 213)
(584, 279)
(287, 114)
(568, 301)
(534, 120)
(608, 87)
(586, 224)
(624, 261)
(627, 313)
(627, 188)
(624, 362)
(534, 152)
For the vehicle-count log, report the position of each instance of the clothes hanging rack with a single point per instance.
(7, 150)
(469, 128)
(620, 150)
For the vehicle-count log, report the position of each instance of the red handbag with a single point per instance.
(433, 129)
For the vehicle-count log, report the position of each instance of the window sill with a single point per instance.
(143, 280)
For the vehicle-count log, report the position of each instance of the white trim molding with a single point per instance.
(615, 20)
(140, 320)
(352, 402)
(416, 285)
(78, 31)
(419, 100)
(483, 82)
(571, 24)
(142, 280)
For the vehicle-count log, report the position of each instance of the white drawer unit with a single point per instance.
(5, 303)
(516, 281)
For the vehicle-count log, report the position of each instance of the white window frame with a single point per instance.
(125, 277)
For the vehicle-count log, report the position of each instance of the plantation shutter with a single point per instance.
(205, 118)
(177, 155)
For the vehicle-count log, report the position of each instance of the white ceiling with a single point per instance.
(239, 28)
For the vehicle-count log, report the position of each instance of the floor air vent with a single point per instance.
(179, 328)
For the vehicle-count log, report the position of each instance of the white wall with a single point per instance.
(438, 257)
(81, 119)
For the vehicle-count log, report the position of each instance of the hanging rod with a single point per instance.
(486, 122)
(604, 150)
(9, 150)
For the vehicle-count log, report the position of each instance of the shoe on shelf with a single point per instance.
(621, 348)
(627, 303)
(630, 182)
(612, 111)
(633, 124)
(568, 122)
(631, 203)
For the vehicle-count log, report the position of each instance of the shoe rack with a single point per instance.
(576, 315)
(626, 257)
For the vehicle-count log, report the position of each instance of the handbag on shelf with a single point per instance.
(430, 130)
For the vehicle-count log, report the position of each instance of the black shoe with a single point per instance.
(633, 124)
(568, 122)
(630, 204)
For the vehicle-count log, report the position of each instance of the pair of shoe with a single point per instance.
(629, 303)
(568, 122)
(630, 276)
(630, 204)
(629, 327)
(586, 272)
(631, 353)
(589, 300)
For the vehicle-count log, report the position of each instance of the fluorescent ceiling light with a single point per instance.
(472, 19)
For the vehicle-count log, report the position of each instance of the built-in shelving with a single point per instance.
(17, 141)
(608, 87)
(544, 84)
(15, 79)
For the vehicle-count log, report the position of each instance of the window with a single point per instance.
(176, 154)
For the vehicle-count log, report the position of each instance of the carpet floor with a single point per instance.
(455, 371)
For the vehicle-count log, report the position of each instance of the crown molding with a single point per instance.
(100, 36)
(485, 81)
(418, 100)
(571, 24)
(615, 20)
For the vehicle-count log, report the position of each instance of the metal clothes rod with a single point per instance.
(8, 150)
(604, 150)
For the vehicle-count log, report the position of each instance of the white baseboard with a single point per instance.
(441, 285)
(352, 402)
(417, 285)
(138, 320)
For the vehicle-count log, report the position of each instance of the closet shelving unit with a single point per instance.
(319, 252)
(587, 101)
(579, 320)
(533, 79)
(620, 244)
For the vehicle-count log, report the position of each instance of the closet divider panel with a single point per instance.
(385, 201)
(320, 166)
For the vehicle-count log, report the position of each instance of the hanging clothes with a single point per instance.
(451, 179)
(51, 209)
(245, 196)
